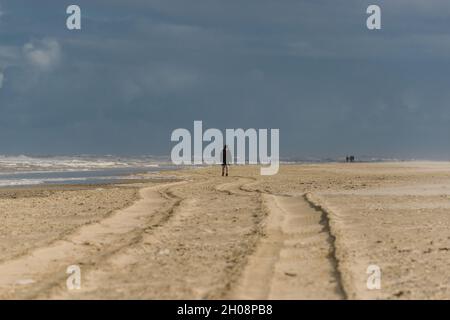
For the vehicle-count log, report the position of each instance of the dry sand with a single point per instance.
(309, 232)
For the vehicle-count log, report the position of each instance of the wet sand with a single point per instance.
(309, 232)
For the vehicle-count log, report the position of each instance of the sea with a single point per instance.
(26, 170)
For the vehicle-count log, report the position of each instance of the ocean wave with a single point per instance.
(10, 163)
(21, 182)
(77, 180)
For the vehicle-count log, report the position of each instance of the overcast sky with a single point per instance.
(140, 69)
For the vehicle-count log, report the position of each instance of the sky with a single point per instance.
(137, 70)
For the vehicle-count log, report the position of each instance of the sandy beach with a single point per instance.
(309, 232)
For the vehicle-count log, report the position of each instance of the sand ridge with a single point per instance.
(295, 259)
(46, 266)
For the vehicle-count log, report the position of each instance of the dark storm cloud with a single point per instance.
(139, 69)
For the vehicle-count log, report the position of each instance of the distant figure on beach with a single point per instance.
(347, 159)
(225, 160)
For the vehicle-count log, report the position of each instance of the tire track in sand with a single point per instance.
(296, 258)
(197, 254)
(43, 269)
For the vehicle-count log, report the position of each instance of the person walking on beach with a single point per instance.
(225, 161)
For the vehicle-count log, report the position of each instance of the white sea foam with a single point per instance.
(26, 163)
(25, 170)
(20, 182)
(30, 182)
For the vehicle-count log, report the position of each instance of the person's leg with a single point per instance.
(223, 170)
(226, 170)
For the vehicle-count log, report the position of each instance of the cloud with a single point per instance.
(310, 68)
(9, 56)
(156, 80)
(42, 54)
(170, 79)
